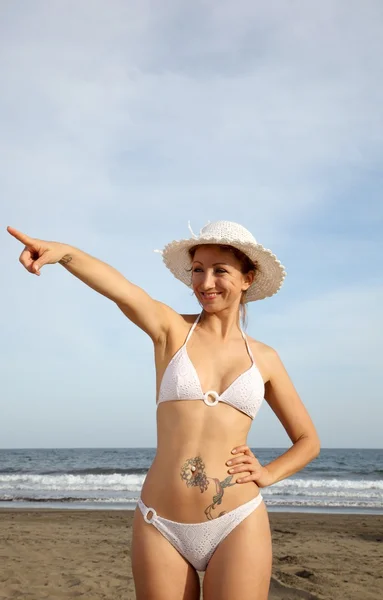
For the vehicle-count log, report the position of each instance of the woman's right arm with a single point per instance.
(151, 316)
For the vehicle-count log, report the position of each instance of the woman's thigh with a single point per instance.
(159, 571)
(241, 565)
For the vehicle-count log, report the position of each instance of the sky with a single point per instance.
(122, 121)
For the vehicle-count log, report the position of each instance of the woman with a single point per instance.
(201, 507)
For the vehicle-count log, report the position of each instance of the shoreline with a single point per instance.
(35, 506)
(65, 553)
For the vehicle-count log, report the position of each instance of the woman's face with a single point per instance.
(217, 279)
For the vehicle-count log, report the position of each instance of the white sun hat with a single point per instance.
(269, 274)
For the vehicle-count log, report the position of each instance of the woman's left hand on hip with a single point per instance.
(245, 460)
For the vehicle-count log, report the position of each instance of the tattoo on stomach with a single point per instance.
(193, 473)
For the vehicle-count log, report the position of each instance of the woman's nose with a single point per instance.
(208, 280)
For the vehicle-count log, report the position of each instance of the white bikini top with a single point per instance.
(180, 382)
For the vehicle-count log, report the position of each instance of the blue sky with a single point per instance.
(122, 121)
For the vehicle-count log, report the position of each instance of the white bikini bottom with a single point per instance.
(197, 541)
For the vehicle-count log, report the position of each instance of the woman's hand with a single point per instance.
(246, 461)
(37, 253)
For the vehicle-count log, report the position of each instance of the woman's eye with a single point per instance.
(199, 270)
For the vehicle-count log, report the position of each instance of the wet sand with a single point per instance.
(86, 554)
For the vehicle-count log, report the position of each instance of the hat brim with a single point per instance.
(270, 273)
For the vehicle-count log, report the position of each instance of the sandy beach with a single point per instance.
(71, 554)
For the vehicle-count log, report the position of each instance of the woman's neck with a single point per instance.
(224, 324)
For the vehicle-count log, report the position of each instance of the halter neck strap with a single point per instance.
(247, 345)
(192, 328)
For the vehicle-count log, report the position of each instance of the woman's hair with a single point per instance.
(246, 265)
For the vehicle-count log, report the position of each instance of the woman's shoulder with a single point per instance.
(260, 346)
(263, 357)
(262, 351)
(189, 319)
(181, 323)
(177, 318)
(179, 327)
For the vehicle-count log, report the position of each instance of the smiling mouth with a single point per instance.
(211, 295)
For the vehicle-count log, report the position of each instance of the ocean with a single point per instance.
(339, 480)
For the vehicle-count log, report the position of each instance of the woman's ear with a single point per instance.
(248, 280)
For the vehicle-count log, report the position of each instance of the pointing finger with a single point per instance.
(22, 237)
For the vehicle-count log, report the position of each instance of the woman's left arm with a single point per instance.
(285, 402)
